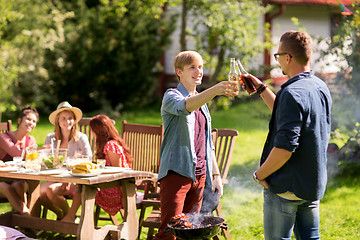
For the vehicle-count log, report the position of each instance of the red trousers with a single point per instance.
(178, 194)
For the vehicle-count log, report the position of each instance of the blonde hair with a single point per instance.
(184, 58)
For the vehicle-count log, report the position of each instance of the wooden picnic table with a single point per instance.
(128, 229)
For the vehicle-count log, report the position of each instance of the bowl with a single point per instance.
(47, 158)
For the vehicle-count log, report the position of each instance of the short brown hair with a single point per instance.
(184, 58)
(298, 45)
(27, 110)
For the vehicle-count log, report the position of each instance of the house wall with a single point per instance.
(316, 20)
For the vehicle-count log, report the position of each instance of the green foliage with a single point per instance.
(94, 53)
(31, 27)
(351, 149)
(345, 45)
(242, 199)
(111, 54)
(224, 29)
(349, 168)
(227, 29)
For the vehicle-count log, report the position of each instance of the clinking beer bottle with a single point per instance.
(249, 85)
(233, 74)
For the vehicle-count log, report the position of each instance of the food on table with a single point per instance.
(31, 156)
(85, 168)
(47, 158)
(49, 161)
(2, 164)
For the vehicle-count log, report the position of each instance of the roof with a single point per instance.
(310, 2)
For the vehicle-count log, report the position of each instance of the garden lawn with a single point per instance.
(242, 200)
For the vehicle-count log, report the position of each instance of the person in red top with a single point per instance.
(111, 147)
(12, 144)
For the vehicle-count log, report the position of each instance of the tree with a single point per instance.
(223, 29)
(227, 29)
(345, 45)
(27, 30)
(94, 53)
(111, 53)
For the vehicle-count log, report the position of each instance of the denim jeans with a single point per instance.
(282, 217)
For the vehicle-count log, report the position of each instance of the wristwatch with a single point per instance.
(255, 178)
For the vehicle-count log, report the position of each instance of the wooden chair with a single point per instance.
(224, 141)
(144, 142)
(5, 126)
(224, 147)
(84, 127)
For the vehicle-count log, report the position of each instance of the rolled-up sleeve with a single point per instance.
(174, 103)
(290, 120)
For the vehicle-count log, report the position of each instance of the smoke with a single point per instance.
(332, 163)
(242, 189)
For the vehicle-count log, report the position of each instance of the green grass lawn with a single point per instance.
(242, 200)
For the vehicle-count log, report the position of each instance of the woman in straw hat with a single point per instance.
(65, 119)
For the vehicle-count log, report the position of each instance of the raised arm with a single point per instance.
(223, 88)
(267, 95)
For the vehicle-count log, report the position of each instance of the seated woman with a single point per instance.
(12, 144)
(65, 119)
(111, 147)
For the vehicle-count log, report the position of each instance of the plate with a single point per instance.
(13, 163)
(108, 170)
(8, 169)
(85, 174)
(52, 172)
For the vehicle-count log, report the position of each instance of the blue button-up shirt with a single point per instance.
(177, 149)
(300, 123)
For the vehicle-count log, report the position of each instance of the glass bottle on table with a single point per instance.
(249, 85)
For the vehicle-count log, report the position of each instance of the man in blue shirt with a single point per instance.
(293, 163)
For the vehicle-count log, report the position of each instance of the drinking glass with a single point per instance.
(101, 163)
(17, 161)
(32, 160)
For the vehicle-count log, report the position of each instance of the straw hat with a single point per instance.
(62, 107)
